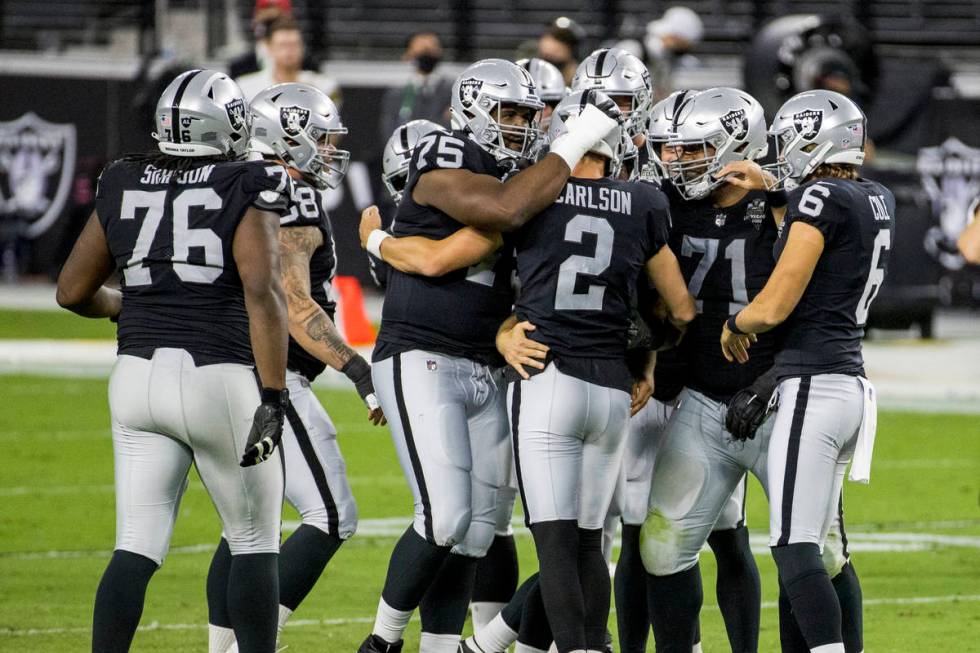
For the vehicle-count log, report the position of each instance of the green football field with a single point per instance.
(915, 534)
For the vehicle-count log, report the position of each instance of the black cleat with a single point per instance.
(466, 648)
(374, 644)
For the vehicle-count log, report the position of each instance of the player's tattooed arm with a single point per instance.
(428, 257)
(89, 265)
(517, 349)
(665, 273)
(779, 297)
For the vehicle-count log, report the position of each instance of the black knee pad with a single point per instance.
(797, 562)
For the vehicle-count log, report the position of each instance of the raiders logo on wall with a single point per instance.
(236, 114)
(807, 123)
(37, 161)
(735, 123)
(293, 119)
(950, 175)
(469, 90)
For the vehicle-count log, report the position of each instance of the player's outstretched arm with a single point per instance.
(665, 273)
(425, 256)
(782, 292)
(256, 252)
(90, 263)
(309, 324)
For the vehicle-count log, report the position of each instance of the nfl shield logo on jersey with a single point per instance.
(293, 119)
(37, 161)
(735, 123)
(807, 123)
(950, 174)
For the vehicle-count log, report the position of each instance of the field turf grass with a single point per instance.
(57, 524)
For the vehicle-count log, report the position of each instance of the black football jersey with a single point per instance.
(578, 263)
(457, 314)
(379, 269)
(306, 209)
(171, 235)
(856, 217)
(725, 256)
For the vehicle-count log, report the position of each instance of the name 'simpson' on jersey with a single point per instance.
(154, 175)
(600, 199)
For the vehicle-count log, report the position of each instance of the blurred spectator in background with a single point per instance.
(425, 95)
(284, 45)
(559, 46)
(667, 46)
(266, 12)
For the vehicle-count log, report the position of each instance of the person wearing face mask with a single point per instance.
(425, 95)
(559, 46)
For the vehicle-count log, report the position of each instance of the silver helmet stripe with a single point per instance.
(178, 96)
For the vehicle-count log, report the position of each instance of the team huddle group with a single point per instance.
(607, 305)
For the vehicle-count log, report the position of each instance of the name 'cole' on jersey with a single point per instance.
(171, 235)
(578, 262)
(456, 314)
(306, 209)
(856, 217)
(725, 256)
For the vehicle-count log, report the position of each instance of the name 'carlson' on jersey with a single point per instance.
(306, 209)
(456, 314)
(171, 235)
(725, 254)
(856, 217)
(578, 262)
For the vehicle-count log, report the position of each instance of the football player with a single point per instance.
(394, 174)
(833, 253)
(577, 263)
(550, 84)
(724, 236)
(451, 434)
(297, 125)
(201, 311)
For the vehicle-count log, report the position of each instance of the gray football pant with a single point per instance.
(166, 414)
(813, 437)
(568, 437)
(699, 471)
(316, 475)
(449, 426)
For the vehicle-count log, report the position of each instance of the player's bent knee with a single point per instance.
(246, 541)
(450, 529)
(153, 552)
(662, 547)
(797, 561)
(677, 486)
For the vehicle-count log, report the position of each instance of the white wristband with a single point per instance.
(374, 242)
(584, 131)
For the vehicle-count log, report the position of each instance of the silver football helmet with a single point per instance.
(813, 128)
(659, 127)
(398, 154)
(616, 72)
(478, 95)
(299, 124)
(612, 146)
(548, 81)
(202, 113)
(724, 125)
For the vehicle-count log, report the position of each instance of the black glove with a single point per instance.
(750, 406)
(359, 372)
(605, 104)
(266, 427)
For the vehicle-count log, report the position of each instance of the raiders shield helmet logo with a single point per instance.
(950, 174)
(807, 123)
(37, 162)
(469, 90)
(236, 114)
(736, 124)
(293, 119)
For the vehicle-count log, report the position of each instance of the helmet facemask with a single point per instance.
(694, 177)
(313, 151)
(395, 182)
(508, 141)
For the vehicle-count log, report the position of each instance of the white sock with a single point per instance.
(284, 614)
(495, 636)
(524, 648)
(220, 639)
(829, 648)
(432, 643)
(483, 612)
(390, 624)
(697, 648)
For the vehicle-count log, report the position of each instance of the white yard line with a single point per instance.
(344, 621)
